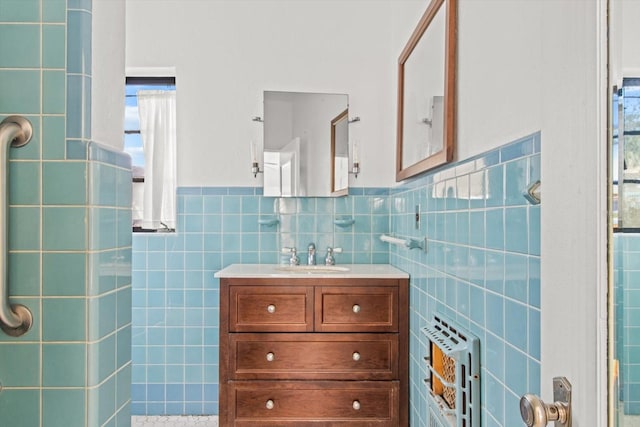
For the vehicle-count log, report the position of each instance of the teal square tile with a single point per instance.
(476, 228)
(102, 316)
(534, 230)
(494, 356)
(123, 188)
(63, 408)
(516, 230)
(63, 319)
(65, 228)
(24, 228)
(54, 11)
(31, 150)
(250, 205)
(53, 46)
(362, 224)
(495, 186)
(20, 92)
(53, 138)
(516, 329)
(20, 46)
(516, 181)
(20, 11)
(516, 277)
(361, 205)
(20, 404)
(53, 92)
(74, 108)
(24, 273)
(64, 274)
(123, 390)
(24, 183)
(494, 232)
(64, 365)
(86, 99)
(103, 228)
(65, 183)
(123, 350)
(102, 360)
(78, 42)
(15, 355)
(495, 313)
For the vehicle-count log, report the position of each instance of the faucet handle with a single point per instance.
(294, 260)
(329, 259)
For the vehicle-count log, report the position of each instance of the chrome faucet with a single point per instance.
(329, 259)
(311, 254)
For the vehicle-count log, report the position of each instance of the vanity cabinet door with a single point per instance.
(296, 403)
(314, 356)
(270, 309)
(356, 309)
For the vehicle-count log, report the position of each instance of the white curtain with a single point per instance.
(157, 110)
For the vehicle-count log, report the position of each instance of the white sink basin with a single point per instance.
(320, 269)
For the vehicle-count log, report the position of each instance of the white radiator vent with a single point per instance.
(454, 380)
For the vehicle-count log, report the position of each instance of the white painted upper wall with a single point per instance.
(107, 79)
(226, 53)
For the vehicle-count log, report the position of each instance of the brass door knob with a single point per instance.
(536, 413)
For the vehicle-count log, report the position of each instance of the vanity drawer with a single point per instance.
(356, 309)
(283, 403)
(270, 308)
(314, 356)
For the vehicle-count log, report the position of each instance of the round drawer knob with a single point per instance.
(270, 357)
(269, 404)
(355, 356)
(356, 405)
(271, 308)
(356, 308)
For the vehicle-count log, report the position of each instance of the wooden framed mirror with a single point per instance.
(340, 154)
(426, 93)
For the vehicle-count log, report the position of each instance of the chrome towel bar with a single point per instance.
(15, 319)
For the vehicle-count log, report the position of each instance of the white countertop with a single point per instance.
(364, 271)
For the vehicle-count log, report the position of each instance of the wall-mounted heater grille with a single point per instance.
(454, 375)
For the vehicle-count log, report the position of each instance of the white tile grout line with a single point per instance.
(174, 421)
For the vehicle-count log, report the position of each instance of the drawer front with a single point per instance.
(271, 308)
(295, 403)
(357, 309)
(314, 356)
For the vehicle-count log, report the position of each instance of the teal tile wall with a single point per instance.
(482, 270)
(175, 296)
(627, 318)
(69, 232)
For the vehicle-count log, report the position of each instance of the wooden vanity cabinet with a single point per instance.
(314, 352)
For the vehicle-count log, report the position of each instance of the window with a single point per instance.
(149, 138)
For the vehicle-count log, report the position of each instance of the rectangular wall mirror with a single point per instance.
(426, 93)
(305, 143)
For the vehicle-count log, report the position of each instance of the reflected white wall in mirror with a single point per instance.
(298, 154)
(423, 105)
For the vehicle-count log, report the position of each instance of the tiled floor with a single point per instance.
(179, 421)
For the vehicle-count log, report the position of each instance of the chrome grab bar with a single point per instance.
(15, 319)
